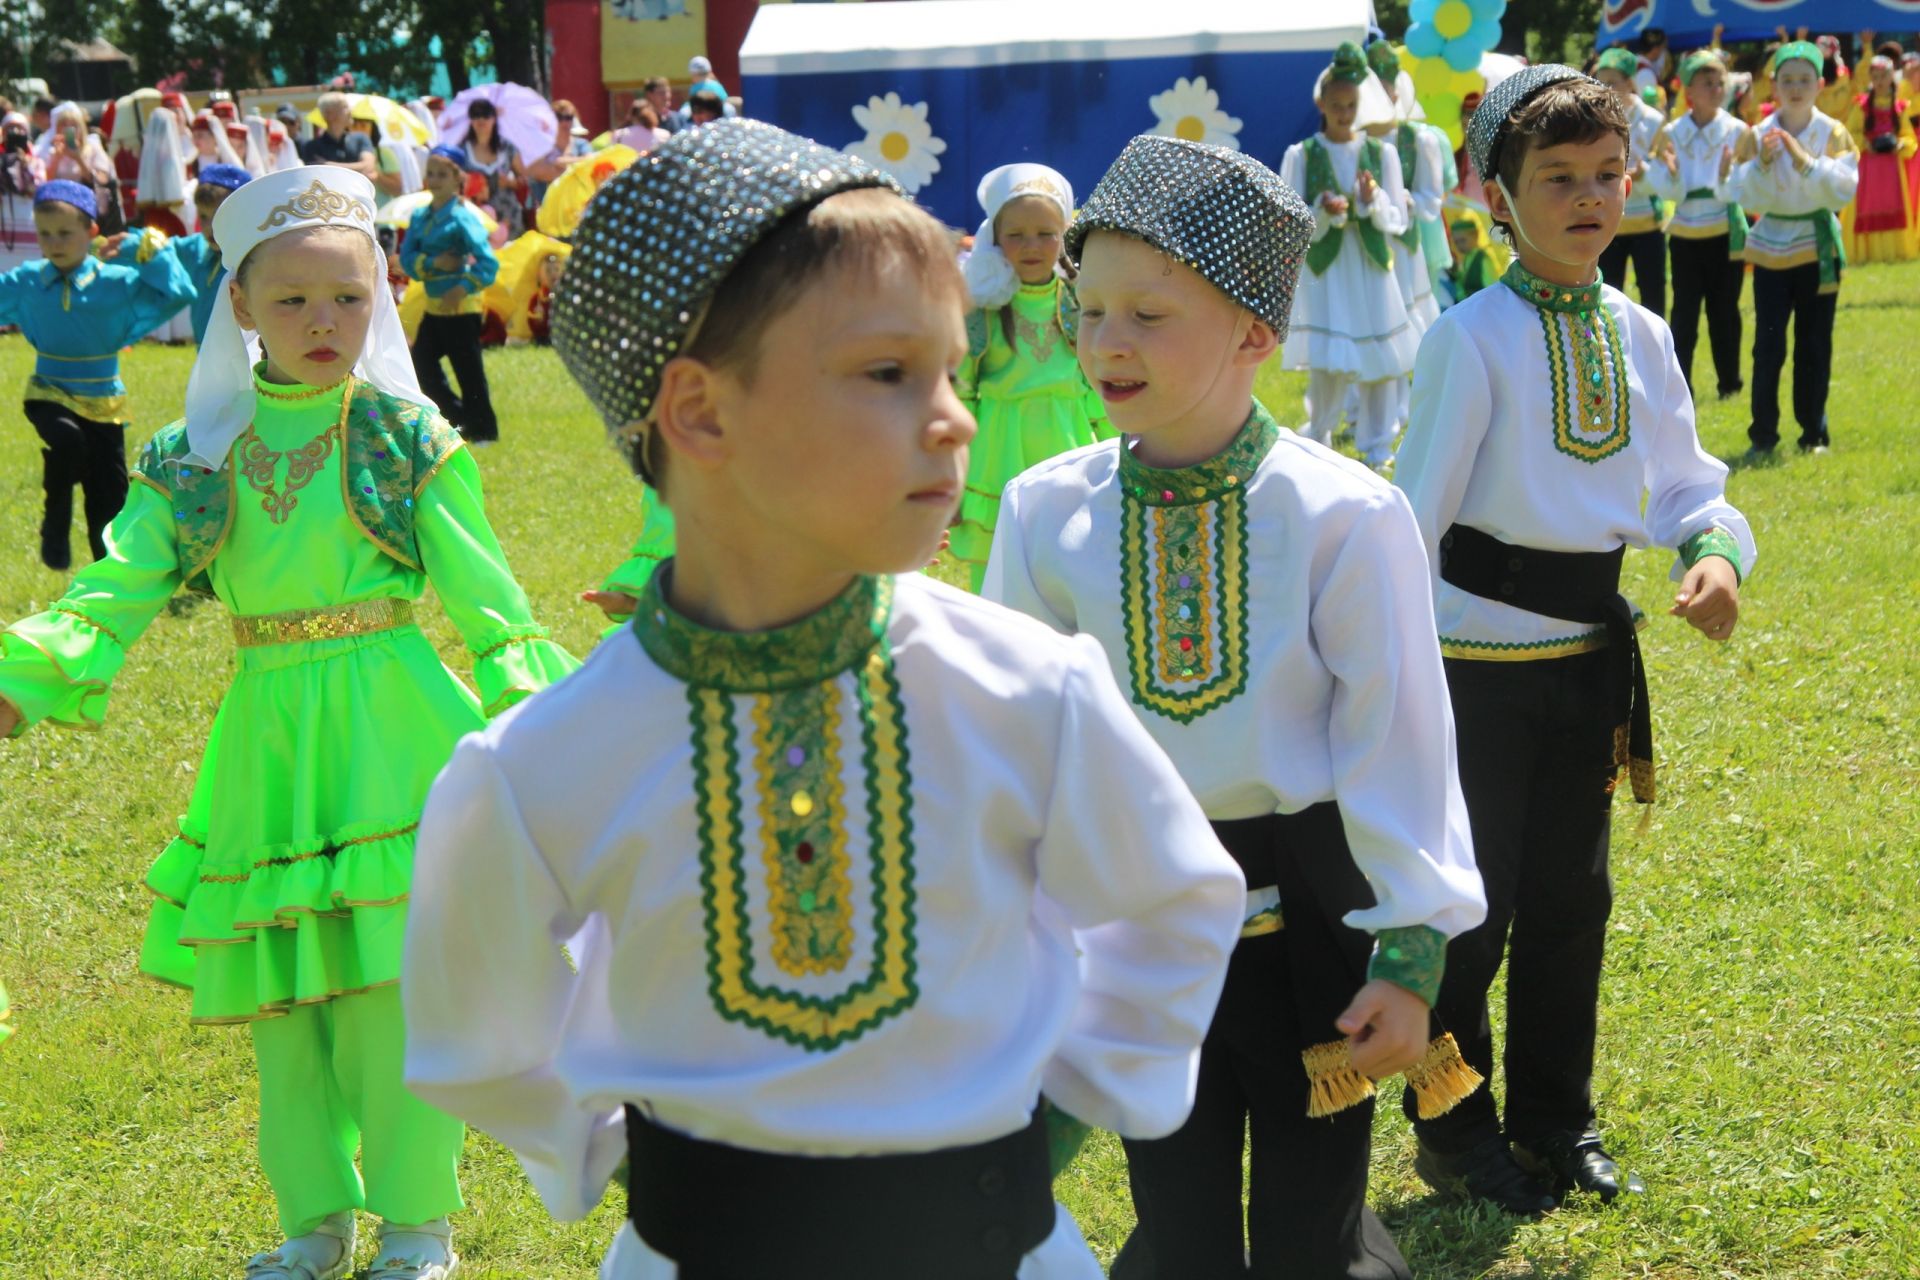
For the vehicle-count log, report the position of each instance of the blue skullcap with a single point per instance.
(458, 155)
(229, 176)
(61, 191)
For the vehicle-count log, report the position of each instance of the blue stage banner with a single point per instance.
(944, 103)
(1690, 23)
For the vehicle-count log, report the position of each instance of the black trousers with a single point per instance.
(1536, 753)
(1647, 250)
(1780, 296)
(1703, 275)
(457, 338)
(79, 451)
(1306, 1213)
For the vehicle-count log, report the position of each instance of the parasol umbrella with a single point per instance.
(521, 115)
(567, 196)
(519, 278)
(394, 121)
(398, 212)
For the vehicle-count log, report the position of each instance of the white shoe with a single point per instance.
(325, 1253)
(423, 1252)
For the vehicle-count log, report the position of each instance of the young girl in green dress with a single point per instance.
(316, 493)
(1021, 378)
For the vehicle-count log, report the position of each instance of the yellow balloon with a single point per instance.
(1440, 90)
(1453, 19)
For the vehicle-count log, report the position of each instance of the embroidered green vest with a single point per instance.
(1320, 181)
(393, 447)
(1407, 142)
(1067, 310)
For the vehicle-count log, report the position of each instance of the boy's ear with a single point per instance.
(686, 412)
(1257, 343)
(1497, 206)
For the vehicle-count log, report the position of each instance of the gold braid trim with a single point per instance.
(1442, 1079)
(1333, 1083)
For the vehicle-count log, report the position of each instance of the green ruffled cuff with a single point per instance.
(632, 577)
(1713, 542)
(517, 663)
(1414, 958)
(58, 666)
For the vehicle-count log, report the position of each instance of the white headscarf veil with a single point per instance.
(220, 389)
(163, 169)
(991, 279)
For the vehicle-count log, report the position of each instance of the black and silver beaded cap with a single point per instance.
(1488, 127)
(661, 235)
(1221, 212)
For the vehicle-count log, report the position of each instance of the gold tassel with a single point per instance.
(1442, 1080)
(1335, 1085)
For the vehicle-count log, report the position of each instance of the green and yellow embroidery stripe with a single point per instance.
(803, 828)
(1227, 585)
(1568, 409)
(813, 1023)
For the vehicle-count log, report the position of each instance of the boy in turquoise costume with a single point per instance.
(199, 253)
(78, 311)
(447, 251)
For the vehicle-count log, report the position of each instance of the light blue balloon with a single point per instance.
(1483, 35)
(1424, 42)
(1461, 55)
(1422, 11)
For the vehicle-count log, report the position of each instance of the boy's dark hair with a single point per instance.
(1567, 111)
(706, 102)
(867, 229)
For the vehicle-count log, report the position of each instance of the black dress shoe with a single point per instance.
(1486, 1172)
(55, 553)
(1577, 1162)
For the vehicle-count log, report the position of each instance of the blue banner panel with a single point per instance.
(1689, 24)
(1074, 116)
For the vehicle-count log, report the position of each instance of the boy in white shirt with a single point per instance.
(858, 865)
(1795, 169)
(1707, 238)
(1642, 236)
(1551, 430)
(1267, 603)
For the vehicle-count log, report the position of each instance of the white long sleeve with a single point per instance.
(1033, 902)
(1482, 450)
(1344, 697)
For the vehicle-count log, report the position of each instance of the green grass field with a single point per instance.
(1759, 1037)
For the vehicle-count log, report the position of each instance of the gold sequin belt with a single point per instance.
(337, 622)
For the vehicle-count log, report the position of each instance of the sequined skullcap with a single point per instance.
(1220, 212)
(661, 235)
(1486, 130)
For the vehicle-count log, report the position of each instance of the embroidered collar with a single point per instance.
(1549, 296)
(813, 650)
(285, 391)
(1042, 289)
(82, 273)
(1203, 481)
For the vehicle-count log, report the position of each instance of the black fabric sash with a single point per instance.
(727, 1213)
(1254, 844)
(1580, 586)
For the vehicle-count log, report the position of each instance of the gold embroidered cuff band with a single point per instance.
(301, 625)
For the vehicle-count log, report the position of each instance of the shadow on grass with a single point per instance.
(1754, 460)
(1447, 1240)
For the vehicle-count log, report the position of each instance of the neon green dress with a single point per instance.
(1030, 399)
(288, 880)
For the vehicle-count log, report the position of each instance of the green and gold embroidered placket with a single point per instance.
(1183, 575)
(800, 804)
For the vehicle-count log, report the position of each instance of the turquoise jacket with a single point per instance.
(454, 227)
(202, 264)
(78, 320)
